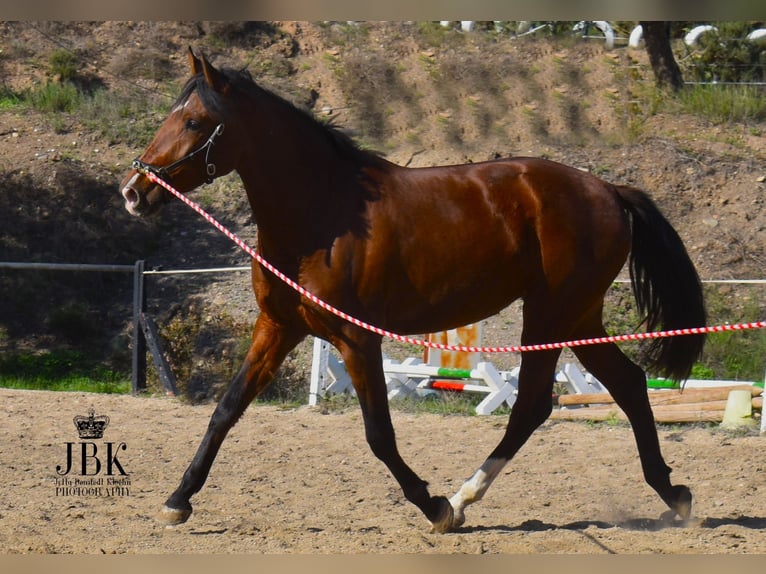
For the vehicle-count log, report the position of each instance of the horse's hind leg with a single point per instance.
(626, 383)
(363, 360)
(532, 407)
(270, 344)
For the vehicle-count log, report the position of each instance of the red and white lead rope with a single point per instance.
(444, 347)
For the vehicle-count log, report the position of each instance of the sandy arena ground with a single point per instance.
(299, 481)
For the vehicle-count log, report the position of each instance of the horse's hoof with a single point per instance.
(445, 516)
(174, 516)
(682, 504)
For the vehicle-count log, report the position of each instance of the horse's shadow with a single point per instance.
(642, 524)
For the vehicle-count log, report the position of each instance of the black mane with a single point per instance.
(242, 80)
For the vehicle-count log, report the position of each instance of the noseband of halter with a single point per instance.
(164, 172)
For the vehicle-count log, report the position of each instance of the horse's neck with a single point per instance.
(301, 188)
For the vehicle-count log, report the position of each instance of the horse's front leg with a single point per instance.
(270, 344)
(364, 362)
(532, 407)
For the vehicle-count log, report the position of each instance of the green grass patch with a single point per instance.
(438, 403)
(8, 98)
(733, 355)
(723, 103)
(54, 97)
(129, 119)
(120, 118)
(60, 371)
(446, 403)
(719, 104)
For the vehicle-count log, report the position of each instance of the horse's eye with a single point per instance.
(193, 125)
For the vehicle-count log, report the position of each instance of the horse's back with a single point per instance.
(466, 240)
(517, 200)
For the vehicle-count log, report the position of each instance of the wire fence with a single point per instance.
(146, 339)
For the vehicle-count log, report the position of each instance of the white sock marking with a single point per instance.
(474, 488)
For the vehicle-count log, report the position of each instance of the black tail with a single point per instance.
(666, 286)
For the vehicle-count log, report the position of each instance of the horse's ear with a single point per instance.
(194, 63)
(213, 77)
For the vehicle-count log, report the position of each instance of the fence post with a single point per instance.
(139, 341)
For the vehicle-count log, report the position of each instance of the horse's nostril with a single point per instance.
(131, 195)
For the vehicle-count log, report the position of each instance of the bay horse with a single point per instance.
(418, 250)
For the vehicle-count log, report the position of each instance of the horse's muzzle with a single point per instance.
(140, 202)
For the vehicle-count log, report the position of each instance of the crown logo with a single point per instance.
(91, 426)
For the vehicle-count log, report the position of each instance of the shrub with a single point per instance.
(54, 98)
(64, 65)
(727, 56)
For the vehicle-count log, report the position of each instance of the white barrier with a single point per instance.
(578, 382)
(328, 375)
(413, 378)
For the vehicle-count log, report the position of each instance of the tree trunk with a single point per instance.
(657, 39)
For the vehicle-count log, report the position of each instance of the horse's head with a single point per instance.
(190, 148)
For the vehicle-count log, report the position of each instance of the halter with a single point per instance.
(164, 172)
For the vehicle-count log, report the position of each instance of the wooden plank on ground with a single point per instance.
(708, 411)
(662, 397)
(667, 416)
